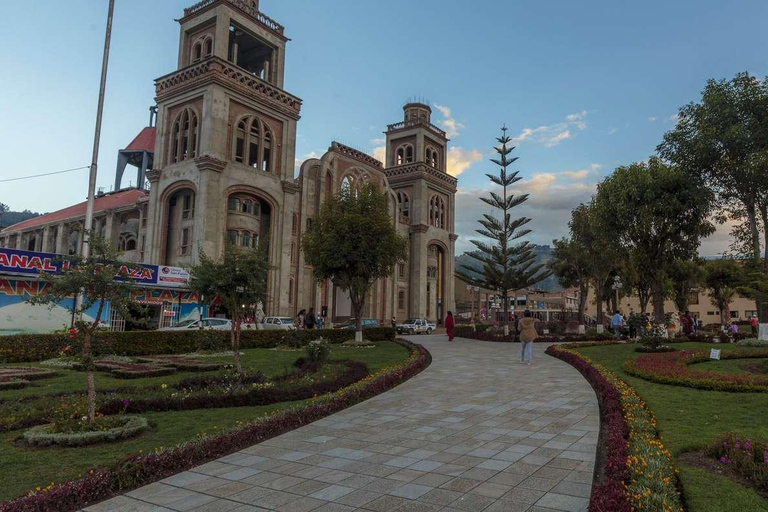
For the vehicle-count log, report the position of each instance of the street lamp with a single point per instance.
(616, 286)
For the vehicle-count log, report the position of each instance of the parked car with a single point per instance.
(278, 322)
(352, 324)
(215, 324)
(415, 326)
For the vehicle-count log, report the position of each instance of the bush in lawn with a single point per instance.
(752, 342)
(318, 351)
(747, 457)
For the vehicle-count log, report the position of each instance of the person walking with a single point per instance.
(310, 319)
(687, 322)
(319, 322)
(449, 325)
(753, 324)
(300, 319)
(616, 323)
(528, 334)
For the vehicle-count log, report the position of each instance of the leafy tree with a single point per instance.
(353, 243)
(684, 277)
(588, 228)
(571, 264)
(723, 142)
(637, 281)
(658, 211)
(102, 278)
(722, 278)
(507, 266)
(238, 278)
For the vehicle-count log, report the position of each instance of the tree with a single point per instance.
(658, 211)
(684, 276)
(571, 264)
(353, 243)
(238, 279)
(3, 209)
(722, 277)
(723, 142)
(102, 279)
(507, 266)
(588, 228)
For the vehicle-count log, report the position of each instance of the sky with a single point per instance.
(583, 87)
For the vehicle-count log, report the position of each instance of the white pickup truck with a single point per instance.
(415, 326)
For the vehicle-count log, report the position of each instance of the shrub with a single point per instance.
(42, 435)
(637, 473)
(318, 351)
(747, 457)
(752, 342)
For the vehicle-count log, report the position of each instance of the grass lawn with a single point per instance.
(23, 469)
(688, 419)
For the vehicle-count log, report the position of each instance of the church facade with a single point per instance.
(221, 170)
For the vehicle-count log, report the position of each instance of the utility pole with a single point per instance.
(97, 138)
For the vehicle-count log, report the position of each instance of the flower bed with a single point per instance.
(230, 393)
(136, 470)
(637, 472)
(183, 363)
(746, 457)
(20, 377)
(43, 435)
(674, 368)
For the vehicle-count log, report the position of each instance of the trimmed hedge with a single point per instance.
(485, 335)
(17, 348)
(136, 470)
(41, 435)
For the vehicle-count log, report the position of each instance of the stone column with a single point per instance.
(18, 240)
(61, 236)
(46, 234)
(418, 271)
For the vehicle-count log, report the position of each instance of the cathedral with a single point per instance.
(219, 159)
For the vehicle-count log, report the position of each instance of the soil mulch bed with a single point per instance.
(758, 368)
(700, 460)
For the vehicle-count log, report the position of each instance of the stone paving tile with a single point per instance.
(473, 432)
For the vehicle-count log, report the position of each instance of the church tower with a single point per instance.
(225, 143)
(416, 154)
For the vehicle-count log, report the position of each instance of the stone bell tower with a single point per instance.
(416, 162)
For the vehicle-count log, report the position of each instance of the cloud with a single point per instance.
(449, 124)
(459, 159)
(674, 119)
(576, 175)
(380, 153)
(548, 206)
(595, 167)
(612, 130)
(554, 134)
(379, 141)
(652, 118)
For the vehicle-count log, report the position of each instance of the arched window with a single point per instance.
(208, 47)
(437, 212)
(184, 136)
(253, 144)
(328, 185)
(130, 245)
(401, 300)
(403, 205)
(197, 52)
(247, 206)
(404, 154)
(432, 158)
(232, 237)
(346, 184)
(233, 204)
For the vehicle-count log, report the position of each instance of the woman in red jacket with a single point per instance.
(449, 325)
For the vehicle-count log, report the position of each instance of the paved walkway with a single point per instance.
(475, 432)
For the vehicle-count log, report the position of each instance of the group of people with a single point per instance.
(308, 320)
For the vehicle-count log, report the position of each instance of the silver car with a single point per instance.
(278, 322)
(206, 324)
(415, 326)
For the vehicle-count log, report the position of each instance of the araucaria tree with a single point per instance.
(238, 279)
(100, 279)
(507, 265)
(657, 211)
(353, 243)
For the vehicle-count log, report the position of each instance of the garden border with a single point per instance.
(628, 441)
(673, 368)
(38, 436)
(136, 470)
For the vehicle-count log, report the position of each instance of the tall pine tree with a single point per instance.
(508, 265)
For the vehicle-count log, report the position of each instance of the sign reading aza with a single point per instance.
(13, 261)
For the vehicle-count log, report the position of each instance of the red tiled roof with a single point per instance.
(144, 141)
(102, 203)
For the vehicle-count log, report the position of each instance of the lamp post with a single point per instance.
(617, 285)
